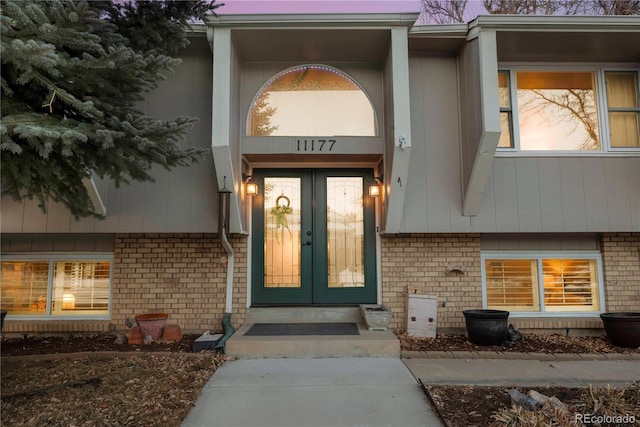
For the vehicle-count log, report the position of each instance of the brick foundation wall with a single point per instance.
(621, 270)
(180, 274)
(418, 263)
(177, 274)
(13, 328)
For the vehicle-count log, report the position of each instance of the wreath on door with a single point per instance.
(280, 211)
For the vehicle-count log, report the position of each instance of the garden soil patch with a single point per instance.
(156, 384)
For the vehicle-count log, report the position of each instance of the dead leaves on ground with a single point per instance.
(481, 406)
(531, 343)
(144, 389)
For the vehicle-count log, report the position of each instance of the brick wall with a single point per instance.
(621, 269)
(178, 274)
(419, 262)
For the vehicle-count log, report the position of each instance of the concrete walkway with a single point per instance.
(312, 392)
(523, 372)
(379, 391)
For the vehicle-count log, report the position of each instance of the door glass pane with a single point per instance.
(345, 232)
(282, 232)
(24, 287)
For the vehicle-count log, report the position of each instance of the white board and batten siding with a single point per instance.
(184, 199)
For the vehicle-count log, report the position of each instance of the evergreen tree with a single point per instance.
(73, 73)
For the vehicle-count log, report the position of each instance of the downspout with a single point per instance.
(225, 195)
(229, 294)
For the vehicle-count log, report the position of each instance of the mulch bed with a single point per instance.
(149, 388)
(543, 343)
(88, 343)
(475, 406)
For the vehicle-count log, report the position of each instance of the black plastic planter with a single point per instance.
(487, 327)
(623, 328)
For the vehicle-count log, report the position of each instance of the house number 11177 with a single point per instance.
(315, 145)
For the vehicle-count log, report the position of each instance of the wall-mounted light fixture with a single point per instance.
(251, 188)
(375, 187)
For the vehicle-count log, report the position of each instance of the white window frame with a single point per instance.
(599, 71)
(52, 258)
(542, 255)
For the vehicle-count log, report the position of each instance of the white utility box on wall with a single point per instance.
(421, 315)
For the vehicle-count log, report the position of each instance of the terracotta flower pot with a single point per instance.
(134, 336)
(172, 333)
(152, 324)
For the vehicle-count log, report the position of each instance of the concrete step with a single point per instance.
(366, 344)
(303, 314)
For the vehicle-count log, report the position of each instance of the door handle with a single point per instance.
(307, 243)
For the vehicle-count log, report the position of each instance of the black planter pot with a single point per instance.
(623, 328)
(3, 314)
(487, 327)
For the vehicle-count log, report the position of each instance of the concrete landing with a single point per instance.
(371, 392)
(367, 344)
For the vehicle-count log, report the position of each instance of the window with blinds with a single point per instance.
(541, 284)
(570, 284)
(512, 284)
(56, 287)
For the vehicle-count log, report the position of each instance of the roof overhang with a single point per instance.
(522, 38)
(342, 20)
(442, 39)
(558, 23)
(311, 37)
(583, 38)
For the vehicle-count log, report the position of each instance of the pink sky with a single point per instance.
(315, 6)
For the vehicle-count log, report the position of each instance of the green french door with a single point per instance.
(313, 237)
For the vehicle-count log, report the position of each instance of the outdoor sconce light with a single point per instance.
(251, 188)
(374, 188)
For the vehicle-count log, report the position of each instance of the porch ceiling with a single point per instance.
(309, 45)
(568, 47)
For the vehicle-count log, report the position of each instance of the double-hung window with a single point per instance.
(585, 109)
(56, 286)
(543, 282)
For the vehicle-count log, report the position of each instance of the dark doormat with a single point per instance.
(276, 329)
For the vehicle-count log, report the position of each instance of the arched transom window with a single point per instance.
(311, 100)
